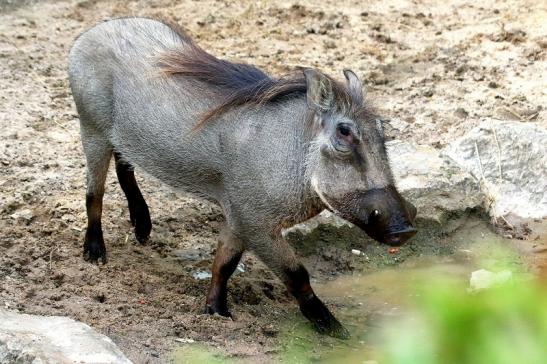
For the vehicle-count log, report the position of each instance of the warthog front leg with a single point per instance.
(298, 283)
(280, 257)
(227, 257)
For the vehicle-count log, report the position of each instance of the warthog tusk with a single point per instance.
(315, 186)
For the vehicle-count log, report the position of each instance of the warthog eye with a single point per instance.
(344, 139)
(345, 133)
(344, 130)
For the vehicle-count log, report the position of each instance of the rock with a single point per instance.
(510, 160)
(240, 268)
(48, 339)
(201, 274)
(437, 186)
(324, 218)
(483, 279)
(325, 230)
(398, 124)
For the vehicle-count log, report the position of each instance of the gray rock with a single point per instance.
(48, 339)
(324, 218)
(398, 124)
(202, 274)
(241, 268)
(510, 161)
(322, 232)
(437, 186)
(484, 279)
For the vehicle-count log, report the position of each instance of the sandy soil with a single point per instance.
(435, 70)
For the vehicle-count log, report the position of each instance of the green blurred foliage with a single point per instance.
(500, 325)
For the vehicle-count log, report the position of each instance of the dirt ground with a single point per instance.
(435, 70)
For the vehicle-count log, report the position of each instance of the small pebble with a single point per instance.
(202, 275)
(355, 252)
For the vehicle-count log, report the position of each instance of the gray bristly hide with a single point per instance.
(268, 164)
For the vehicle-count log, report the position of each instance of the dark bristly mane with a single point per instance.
(238, 83)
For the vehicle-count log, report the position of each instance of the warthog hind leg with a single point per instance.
(138, 209)
(98, 153)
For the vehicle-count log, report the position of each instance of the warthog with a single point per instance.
(271, 152)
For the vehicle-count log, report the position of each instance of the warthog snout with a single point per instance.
(382, 213)
(400, 237)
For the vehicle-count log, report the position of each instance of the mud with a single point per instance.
(434, 69)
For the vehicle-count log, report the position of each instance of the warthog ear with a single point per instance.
(355, 87)
(319, 90)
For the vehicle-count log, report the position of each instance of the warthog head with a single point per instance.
(347, 163)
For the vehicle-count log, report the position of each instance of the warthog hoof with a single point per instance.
(211, 310)
(334, 329)
(95, 251)
(142, 238)
(323, 321)
(143, 227)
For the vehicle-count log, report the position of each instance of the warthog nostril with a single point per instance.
(400, 237)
